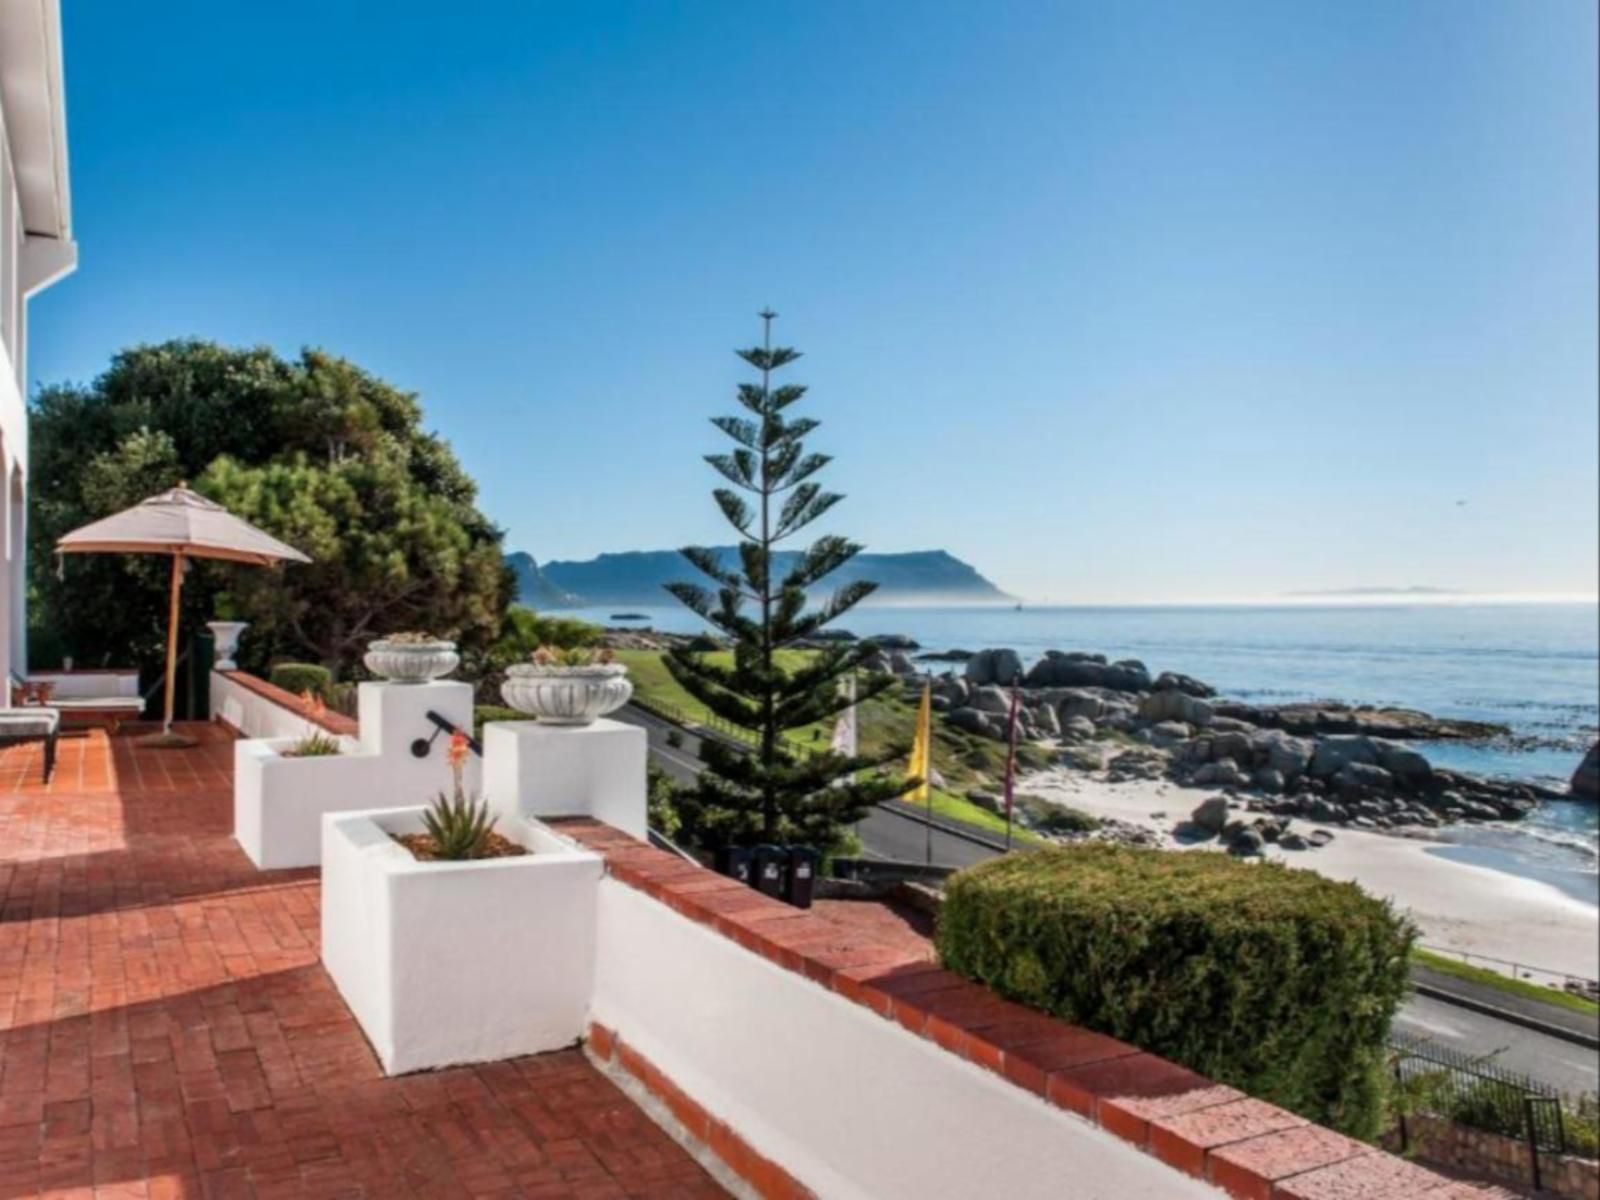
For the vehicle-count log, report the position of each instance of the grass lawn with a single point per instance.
(965, 761)
(1503, 983)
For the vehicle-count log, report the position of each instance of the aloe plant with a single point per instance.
(459, 825)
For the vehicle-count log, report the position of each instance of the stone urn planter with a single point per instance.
(411, 661)
(560, 695)
(227, 635)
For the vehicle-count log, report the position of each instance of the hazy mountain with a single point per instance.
(638, 576)
(533, 588)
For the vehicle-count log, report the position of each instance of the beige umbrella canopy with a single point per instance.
(185, 525)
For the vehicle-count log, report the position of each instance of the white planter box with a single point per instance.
(278, 802)
(457, 962)
(535, 769)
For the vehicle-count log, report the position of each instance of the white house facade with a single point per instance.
(36, 249)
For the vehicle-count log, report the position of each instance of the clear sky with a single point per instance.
(1118, 302)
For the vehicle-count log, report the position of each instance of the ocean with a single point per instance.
(1532, 667)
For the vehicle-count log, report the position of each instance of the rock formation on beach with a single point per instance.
(1324, 761)
(1586, 779)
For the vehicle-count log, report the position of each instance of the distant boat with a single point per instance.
(630, 616)
(1019, 606)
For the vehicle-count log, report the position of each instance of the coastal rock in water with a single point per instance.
(993, 666)
(1327, 717)
(896, 641)
(1411, 769)
(1175, 706)
(1172, 681)
(1586, 779)
(1211, 814)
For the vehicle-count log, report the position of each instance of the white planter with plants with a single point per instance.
(460, 959)
(567, 687)
(411, 657)
(279, 797)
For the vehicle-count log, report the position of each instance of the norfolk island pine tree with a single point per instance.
(773, 793)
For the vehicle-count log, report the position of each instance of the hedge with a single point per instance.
(300, 678)
(1278, 982)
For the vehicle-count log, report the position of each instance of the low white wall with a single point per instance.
(851, 1104)
(278, 802)
(251, 713)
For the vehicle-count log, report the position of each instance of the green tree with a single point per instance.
(774, 793)
(316, 451)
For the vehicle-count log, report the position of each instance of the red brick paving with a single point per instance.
(166, 1029)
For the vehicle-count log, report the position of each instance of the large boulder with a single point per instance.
(1167, 734)
(992, 699)
(1078, 728)
(1171, 681)
(1061, 669)
(1075, 702)
(1586, 779)
(1283, 752)
(1410, 769)
(1231, 745)
(1045, 721)
(900, 663)
(994, 666)
(1220, 774)
(1247, 841)
(1357, 779)
(971, 720)
(1172, 705)
(1334, 753)
(1211, 814)
(954, 689)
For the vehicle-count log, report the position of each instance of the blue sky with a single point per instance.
(1119, 302)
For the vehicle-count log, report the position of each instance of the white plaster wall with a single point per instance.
(851, 1104)
(278, 802)
(251, 714)
(539, 770)
(457, 962)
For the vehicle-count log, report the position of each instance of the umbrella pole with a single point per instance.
(166, 739)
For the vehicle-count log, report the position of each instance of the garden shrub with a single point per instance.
(1275, 981)
(300, 678)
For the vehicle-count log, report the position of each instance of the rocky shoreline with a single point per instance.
(1335, 764)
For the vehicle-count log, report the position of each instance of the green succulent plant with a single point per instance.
(459, 827)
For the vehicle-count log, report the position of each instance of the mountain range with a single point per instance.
(637, 577)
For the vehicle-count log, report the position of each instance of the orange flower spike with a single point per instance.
(458, 750)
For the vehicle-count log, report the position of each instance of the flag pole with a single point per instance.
(1011, 756)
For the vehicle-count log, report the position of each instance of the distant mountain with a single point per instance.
(638, 577)
(533, 588)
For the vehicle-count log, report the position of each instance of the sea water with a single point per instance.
(1532, 667)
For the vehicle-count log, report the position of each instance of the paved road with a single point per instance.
(1560, 1064)
(892, 835)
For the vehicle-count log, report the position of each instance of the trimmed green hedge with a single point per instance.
(1276, 981)
(300, 678)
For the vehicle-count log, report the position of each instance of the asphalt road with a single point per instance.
(892, 835)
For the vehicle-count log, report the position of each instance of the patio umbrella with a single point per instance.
(185, 525)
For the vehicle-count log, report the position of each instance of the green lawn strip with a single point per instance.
(965, 761)
(1504, 983)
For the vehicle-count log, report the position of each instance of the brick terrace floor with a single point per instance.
(166, 1029)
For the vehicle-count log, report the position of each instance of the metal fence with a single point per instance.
(1562, 980)
(1479, 1093)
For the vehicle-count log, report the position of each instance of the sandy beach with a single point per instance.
(1456, 905)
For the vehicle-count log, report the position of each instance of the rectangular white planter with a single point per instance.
(536, 770)
(278, 802)
(457, 962)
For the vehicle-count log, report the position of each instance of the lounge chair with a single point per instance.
(31, 723)
(87, 698)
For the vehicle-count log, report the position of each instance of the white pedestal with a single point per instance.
(393, 715)
(458, 962)
(595, 771)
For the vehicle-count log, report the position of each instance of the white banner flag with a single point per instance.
(844, 729)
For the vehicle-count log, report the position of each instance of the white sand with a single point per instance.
(1457, 906)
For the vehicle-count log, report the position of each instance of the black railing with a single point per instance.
(1479, 1093)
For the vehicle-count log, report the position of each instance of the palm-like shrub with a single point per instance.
(459, 824)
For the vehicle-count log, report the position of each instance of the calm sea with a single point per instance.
(1533, 667)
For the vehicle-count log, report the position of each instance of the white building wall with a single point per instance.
(13, 422)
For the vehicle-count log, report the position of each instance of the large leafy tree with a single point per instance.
(317, 451)
(776, 793)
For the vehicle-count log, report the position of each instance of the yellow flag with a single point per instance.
(922, 746)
